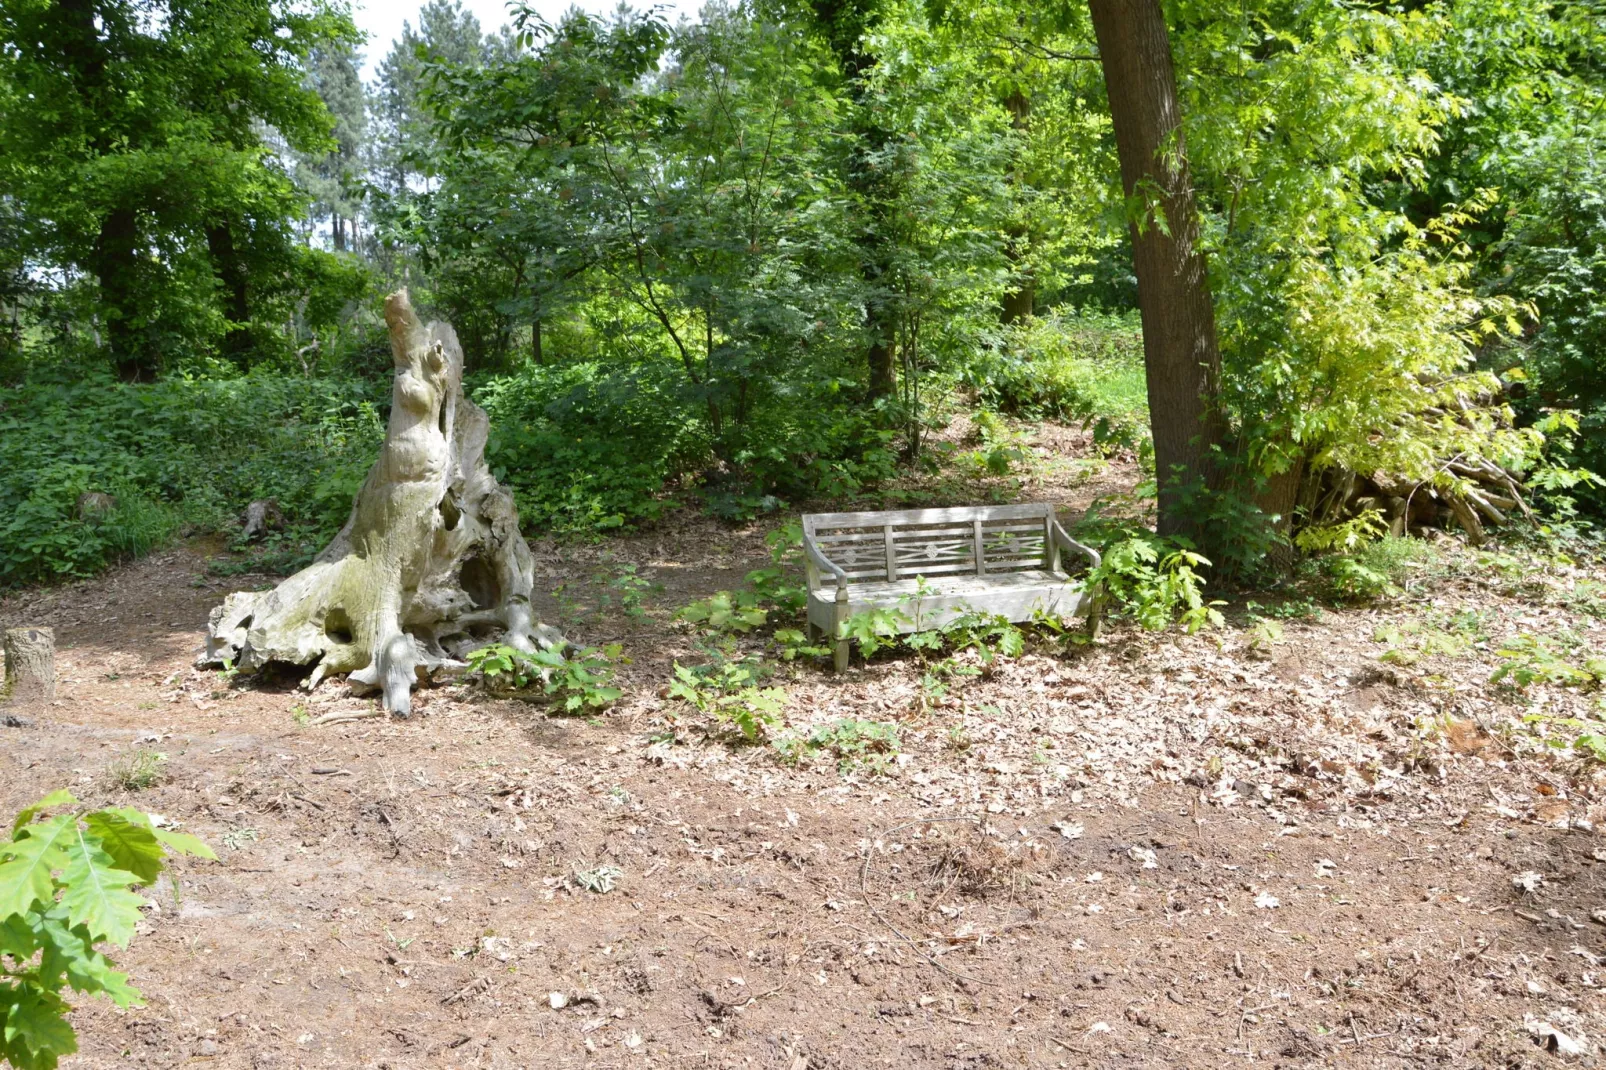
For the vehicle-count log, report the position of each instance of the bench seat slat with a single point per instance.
(1015, 595)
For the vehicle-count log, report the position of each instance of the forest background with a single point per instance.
(756, 258)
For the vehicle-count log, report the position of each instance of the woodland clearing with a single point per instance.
(1219, 849)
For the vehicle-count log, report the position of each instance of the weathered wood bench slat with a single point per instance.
(933, 565)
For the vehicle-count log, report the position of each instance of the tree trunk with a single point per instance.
(232, 273)
(339, 233)
(430, 565)
(30, 665)
(116, 260)
(1181, 361)
(1019, 302)
(535, 341)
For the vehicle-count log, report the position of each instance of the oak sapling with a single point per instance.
(66, 885)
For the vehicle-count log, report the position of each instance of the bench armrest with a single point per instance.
(815, 557)
(1069, 543)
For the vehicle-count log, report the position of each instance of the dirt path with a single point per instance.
(1174, 851)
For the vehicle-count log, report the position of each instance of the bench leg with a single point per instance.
(839, 644)
(1095, 616)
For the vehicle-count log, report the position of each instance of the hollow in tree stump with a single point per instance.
(431, 563)
(30, 665)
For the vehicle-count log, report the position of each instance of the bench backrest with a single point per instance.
(901, 544)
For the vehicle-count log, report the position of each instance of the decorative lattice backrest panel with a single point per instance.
(901, 545)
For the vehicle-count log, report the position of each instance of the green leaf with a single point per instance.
(36, 1030)
(71, 953)
(39, 851)
(132, 846)
(96, 893)
(184, 843)
(62, 797)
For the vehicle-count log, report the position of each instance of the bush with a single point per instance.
(586, 449)
(174, 454)
(1084, 367)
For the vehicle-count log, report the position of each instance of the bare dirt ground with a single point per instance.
(1157, 850)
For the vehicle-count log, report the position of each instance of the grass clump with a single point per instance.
(137, 771)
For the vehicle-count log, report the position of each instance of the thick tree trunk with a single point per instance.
(535, 341)
(1180, 357)
(30, 665)
(116, 266)
(431, 564)
(232, 273)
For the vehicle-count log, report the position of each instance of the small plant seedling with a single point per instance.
(138, 771)
(1526, 660)
(729, 691)
(66, 885)
(235, 839)
(850, 741)
(580, 682)
(599, 880)
(725, 612)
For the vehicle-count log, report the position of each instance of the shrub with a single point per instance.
(588, 449)
(1085, 367)
(175, 454)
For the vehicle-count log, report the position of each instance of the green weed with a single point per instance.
(580, 681)
(137, 771)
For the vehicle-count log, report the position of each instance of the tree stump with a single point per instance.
(30, 665)
(430, 564)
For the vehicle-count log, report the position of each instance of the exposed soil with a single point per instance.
(1189, 851)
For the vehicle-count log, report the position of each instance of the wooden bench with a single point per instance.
(934, 565)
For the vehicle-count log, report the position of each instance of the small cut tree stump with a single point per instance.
(30, 665)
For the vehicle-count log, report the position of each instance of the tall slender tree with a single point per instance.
(871, 176)
(1181, 359)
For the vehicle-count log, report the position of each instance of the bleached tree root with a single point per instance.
(430, 564)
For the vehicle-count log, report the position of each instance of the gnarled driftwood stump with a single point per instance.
(431, 563)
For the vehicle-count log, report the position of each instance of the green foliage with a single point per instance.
(579, 681)
(1081, 366)
(628, 587)
(780, 584)
(729, 691)
(726, 613)
(137, 771)
(133, 142)
(1156, 582)
(849, 741)
(873, 629)
(1375, 569)
(1345, 537)
(175, 454)
(1529, 659)
(66, 885)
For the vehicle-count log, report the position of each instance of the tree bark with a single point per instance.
(535, 341)
(430, 565)
(232, 273)
(30, 665)
(1181, 360)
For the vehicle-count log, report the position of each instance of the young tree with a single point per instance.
(872, 174)
(1180, 355)
(331, 177)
